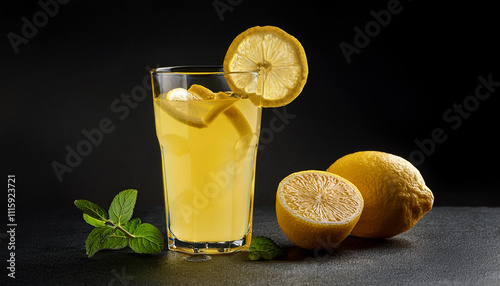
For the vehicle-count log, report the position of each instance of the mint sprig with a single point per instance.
(263, 248)
(115, 229)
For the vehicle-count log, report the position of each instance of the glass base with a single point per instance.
(191, 247)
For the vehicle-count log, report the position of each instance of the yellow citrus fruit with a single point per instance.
(201, 92)
(394, 191)
(193, 106)
(279, 58)
(234, 115)
(317, 209)
(198, 106)
(175, 103)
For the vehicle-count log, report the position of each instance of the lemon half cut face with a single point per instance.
(315, 207)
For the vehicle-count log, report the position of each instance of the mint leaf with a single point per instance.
(91, 209)
(97, 238)
(117, 240)
(93, 221)
(132, 225)
(148, 239)
(263, 248)
(116, 230)
(261, 255)
(122, 207)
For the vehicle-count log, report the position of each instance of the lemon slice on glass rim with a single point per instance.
(279, 58)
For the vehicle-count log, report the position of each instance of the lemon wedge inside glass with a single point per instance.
(192, 106)
(198, 106)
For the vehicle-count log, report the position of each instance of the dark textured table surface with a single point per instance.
(449, 246)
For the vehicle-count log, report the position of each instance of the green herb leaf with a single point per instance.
(118, 230)
(148, 239)
(263, 248)
(132, 225)
(93, 221)
(117, 240)
(97, 238)
(122, 207)
(91, 209)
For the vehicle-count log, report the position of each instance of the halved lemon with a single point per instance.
(279, 58)
(317, 209)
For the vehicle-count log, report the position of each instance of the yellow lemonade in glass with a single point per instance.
(208, 143)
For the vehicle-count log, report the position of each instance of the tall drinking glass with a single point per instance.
(208, 138)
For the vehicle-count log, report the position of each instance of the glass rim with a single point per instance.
(198, 70)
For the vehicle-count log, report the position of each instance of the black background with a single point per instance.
(393, 92)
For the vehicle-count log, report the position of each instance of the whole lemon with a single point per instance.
(394, 192)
